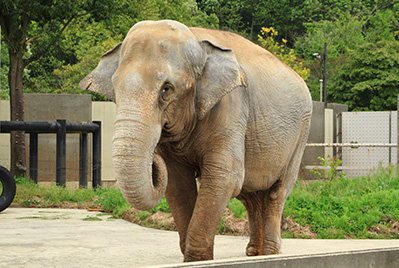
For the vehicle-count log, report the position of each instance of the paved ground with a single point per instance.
(78, 238)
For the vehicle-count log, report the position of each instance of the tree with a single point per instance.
(346, 35)
(50, 18)
(267, 40)
(369, 79)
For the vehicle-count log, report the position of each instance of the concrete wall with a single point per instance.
(105, 112)
(5, 138)
(50, 107)
(73, 108)
(323, 129)
(316, 135)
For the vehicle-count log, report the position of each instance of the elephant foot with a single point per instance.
(268, 248)
(271, 247)
(198, 255)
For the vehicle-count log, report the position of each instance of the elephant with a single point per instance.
(203, 116)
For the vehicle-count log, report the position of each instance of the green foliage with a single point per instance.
(30, 193)
(237, 208)
(4, 61)
(112, 201)
(267, 39)
(329, 170)
(350, 33)
(162, 206)
(346, 207)
(369, 78)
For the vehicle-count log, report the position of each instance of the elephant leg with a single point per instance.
(204, 223)
(274, 205)
(181, 195)
(276, 196)
(264, 216)
(254, 204)
(218, 185)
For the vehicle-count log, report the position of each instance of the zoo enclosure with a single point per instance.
(61, 128)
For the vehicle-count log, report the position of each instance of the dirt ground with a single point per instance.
(230, 224)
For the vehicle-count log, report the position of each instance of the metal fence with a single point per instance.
(61, 128)
(366, 165)
(365, 141)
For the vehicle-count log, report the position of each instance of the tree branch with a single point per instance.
(5, 30)
(31, 39)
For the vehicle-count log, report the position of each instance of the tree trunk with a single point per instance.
(252, 26)
(18, 151)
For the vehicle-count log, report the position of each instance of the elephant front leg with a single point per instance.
(219, 183)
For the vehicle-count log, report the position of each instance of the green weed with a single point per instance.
(92, 219)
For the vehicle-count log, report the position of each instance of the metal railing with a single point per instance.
(61, 128)
(348, 145)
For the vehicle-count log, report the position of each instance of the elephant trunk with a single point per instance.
(140, 172)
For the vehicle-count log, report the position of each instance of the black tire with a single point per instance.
(9, 187)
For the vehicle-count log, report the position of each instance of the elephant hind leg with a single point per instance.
(275, 197)
(254, 204)
(264, 218)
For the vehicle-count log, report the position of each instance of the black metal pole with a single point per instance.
(61, 153)
(325, 75)
(83, 152)
(33, 156)
(96, 175)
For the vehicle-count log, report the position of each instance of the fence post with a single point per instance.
(33, 155)
(96, 169)
(83, 160)
(61, 153)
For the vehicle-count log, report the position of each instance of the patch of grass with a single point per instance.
(30, 193)
(92, 219)
(162, 206)
(346, 207)
(112, 201)
(237, 208)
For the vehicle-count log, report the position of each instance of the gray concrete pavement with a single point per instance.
(79, 238)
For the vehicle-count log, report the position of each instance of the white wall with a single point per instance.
(105, 112)
(5, 138)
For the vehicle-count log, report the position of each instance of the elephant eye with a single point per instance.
(166, 89)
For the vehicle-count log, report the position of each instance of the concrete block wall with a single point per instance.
(323, 129)
(50, 107)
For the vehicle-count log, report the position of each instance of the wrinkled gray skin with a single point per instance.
(209, 104)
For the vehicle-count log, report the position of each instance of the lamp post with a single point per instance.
(324, 81)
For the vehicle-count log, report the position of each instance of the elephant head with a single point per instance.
(163, 80)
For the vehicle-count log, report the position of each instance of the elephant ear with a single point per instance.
(221, 75)
(100, 79)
